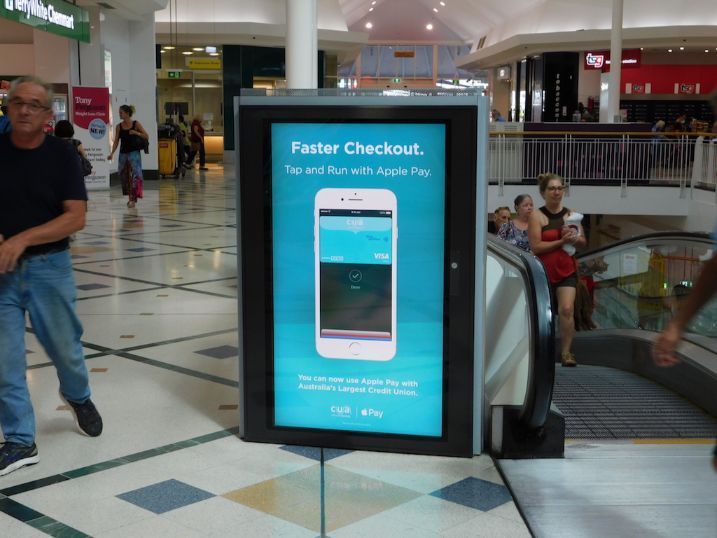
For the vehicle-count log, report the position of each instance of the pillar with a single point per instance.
(615, 63)
(301, 44)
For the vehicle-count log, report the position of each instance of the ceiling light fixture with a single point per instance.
(198, 49)
(442, 3)
(682, 48)
(369, 25)
(707, 50)
(370, 9)
(213, 54)
(210, 49)
(187, 52)
(669, 50)
(435, 9)
(373, 3)
(429, 26)
(168, 47)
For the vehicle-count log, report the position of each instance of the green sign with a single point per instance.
(396, 80)
(174, 74)
(54, 16)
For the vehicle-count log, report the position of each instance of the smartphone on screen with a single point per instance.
(355, 240)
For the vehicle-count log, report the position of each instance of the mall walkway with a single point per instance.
(158, 299)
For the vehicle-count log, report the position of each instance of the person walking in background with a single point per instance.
(501, 216)
(515, 231)
(548, 233)
(197, 138)
(65, 131)
(185, 143)
(131, 138)
(45, 202)
(665, 346)
(4, 120)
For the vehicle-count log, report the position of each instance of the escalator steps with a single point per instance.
(605, 403)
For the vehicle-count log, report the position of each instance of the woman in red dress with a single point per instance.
(547, 233)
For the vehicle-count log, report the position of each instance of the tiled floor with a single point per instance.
(158, 300)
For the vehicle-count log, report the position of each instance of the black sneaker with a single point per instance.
(14, 455)
(87, 417)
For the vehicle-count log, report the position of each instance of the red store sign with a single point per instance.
(601, 59)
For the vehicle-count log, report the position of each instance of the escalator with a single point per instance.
(616, 392)
(625, 448)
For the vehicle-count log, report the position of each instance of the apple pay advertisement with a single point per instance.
(358, 275)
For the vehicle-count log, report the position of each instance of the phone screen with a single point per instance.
(355, 260)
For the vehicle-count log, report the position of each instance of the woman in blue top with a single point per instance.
(516, 231)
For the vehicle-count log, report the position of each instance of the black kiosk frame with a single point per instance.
(255, 117)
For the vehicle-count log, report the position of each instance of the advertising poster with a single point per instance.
(358, 254)
(90, 117)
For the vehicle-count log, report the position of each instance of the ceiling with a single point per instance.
(128, 9)
(457, 20)
(505, 29)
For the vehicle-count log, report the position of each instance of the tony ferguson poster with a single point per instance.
(91, 116)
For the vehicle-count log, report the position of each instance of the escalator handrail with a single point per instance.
(695, 236)
(541, 369)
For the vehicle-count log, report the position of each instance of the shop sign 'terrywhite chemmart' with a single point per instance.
(56, 16)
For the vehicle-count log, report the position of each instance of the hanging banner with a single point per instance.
(91, 116)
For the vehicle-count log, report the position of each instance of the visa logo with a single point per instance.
(381, 255)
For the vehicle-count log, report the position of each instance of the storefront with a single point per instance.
(35, 40)
(189, 84)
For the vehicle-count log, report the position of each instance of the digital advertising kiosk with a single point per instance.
(357, 266)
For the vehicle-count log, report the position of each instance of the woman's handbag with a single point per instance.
(139, 143)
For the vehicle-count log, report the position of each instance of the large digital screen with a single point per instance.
(358, 258)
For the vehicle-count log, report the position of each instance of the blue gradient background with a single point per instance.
(420, 258)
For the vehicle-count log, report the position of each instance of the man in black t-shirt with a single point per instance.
(43, 202)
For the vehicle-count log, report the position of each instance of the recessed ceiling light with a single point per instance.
(707, 50)
(429, 26)
(435, 9)
(642, 48)
(669, 50)
(163, 51)
(369, 25)
(187, 52)
(370, 9)
(442, 3)
(213, 54)
(373, 3)
(198, 49)
(682, 48)
(169, 47)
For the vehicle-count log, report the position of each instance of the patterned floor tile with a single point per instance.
(314, 453)
(475, 493)
(165, 496)
(89, 287)
(221, 352)
(349, 497)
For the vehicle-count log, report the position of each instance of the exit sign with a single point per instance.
(174, 74)
(396, 80)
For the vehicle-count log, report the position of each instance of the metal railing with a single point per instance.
(704, 171)
(602, 158)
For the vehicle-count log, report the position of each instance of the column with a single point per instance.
(301, 44)
(615, 63)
